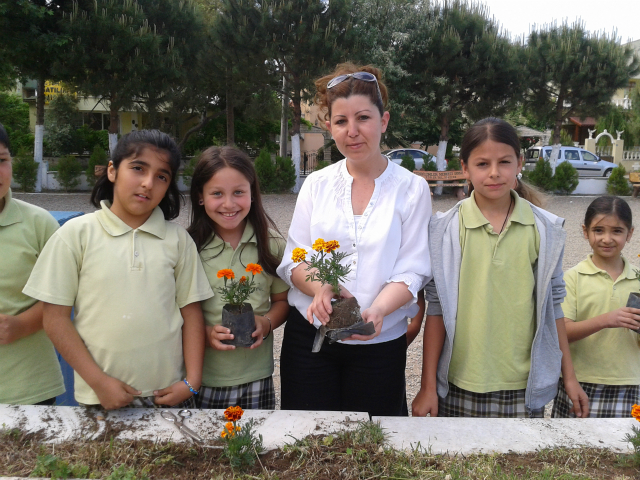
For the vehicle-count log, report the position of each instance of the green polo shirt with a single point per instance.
(495, 324)
(612, 355)
(29, 368)
(128, 287)
(242, 365)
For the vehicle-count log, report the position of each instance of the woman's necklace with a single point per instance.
(508, 210)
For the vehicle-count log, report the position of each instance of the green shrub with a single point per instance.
(542, 175)
(454, 164)
(321, 164)
(68, 173)
(98, 157)
(285, 175)
(265, 169)
(408, 162)
(617, 184)
(429, 165)
(278, 177)
(336, 156)
(565, 179)
(25, 171)
(187, 171)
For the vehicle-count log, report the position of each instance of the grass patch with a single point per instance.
(357, 454)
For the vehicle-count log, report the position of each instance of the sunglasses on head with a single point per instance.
(364, 76)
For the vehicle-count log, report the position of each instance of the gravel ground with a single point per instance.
(280, 208)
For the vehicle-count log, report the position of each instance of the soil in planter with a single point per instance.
(346, 312)
(241, 322)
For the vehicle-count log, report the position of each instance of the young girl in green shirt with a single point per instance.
(600, 327)
(232, 230)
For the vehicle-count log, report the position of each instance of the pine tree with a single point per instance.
(458, 63)
(574, 72)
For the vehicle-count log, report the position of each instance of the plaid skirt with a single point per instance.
(500, 404)
(259, 395)
(605, 401)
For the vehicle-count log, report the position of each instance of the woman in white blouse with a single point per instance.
(379, 213)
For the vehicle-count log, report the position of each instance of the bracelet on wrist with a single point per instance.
(191, 389)
(270, 328)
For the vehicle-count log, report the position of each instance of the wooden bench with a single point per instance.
(451, 178)
(634, 178)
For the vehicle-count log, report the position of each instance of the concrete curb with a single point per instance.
(504, 435)
(277, 427)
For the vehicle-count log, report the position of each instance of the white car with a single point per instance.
(587, 164)
(396, 155)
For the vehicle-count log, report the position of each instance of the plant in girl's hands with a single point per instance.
(241, 445)
(328, 269)
(236, 292)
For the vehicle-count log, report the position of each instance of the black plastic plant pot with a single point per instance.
(634, 302)
(242, 323)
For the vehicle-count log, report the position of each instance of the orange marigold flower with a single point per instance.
(243, 279)
(226, 273)
(318, 245)
(635, 412)
(254, 268)
(224, 434)
(298, 254)
(233, 413)
(331, 245)
(229, 426)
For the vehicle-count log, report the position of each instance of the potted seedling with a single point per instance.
(325, 267)
(634, 297)
(237, 315)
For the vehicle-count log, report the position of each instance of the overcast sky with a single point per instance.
(518, 16)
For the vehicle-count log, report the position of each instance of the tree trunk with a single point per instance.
(284, 124)
(295, 133)
(114, 125)
(441, 162)
(39, 132)
(230, 119)
(553, 160)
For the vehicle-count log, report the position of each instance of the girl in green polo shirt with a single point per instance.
(600, 327)
(29, 369)
(232, 230)
(494, 338)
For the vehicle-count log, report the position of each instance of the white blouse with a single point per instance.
(391, 243)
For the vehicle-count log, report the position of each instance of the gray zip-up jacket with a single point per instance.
(442, 294)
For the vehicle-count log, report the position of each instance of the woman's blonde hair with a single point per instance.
(325, 97)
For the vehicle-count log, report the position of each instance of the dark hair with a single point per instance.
(131, 145)
(352, 86)
(609, 205)
(202, 228)
(490, 128)
(4, 138)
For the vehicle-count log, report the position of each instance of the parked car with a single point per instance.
(587, 164)
(396, 155)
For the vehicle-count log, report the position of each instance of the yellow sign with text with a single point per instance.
(51, 89)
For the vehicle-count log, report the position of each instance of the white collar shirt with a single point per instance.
(389, 245)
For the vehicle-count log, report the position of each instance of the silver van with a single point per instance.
(587, 164)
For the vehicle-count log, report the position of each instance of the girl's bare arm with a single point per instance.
(574, 390)
(426, 402)
(625, 317)
(193, 338)
(277, 316)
